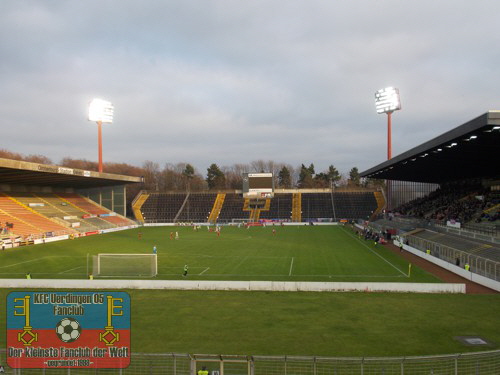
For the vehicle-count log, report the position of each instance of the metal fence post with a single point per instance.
(192, 366)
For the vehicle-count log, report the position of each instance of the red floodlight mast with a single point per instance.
(387, 101)
(389, 137)
(100, 111)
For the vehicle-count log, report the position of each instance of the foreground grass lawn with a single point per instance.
(320, 324)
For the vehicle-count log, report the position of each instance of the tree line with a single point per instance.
(184, 177)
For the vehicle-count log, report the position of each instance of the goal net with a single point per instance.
(125, 265)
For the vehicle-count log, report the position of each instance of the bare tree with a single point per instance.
(84, 164)
(40, 159)
(234, 175)
(6, 154)
(151, 175)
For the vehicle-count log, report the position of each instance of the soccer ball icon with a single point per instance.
(68, 330)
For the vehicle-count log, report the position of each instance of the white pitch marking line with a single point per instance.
(205, 270)
(71, 269)
(16, 264)
(291, 267)
(380, 256)
(35, 260)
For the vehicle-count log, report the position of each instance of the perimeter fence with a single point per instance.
(479, 265)
(478, 363)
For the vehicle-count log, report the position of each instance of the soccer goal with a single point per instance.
(125, 265)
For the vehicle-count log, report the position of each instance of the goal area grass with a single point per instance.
(272, 323)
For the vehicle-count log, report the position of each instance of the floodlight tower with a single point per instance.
(387, 101)
(100, 111)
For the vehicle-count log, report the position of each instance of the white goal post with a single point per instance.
(125, 265)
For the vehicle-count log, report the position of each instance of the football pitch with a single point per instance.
(275, 253)
(272, 323)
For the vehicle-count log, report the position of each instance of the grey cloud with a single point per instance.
(234, 81)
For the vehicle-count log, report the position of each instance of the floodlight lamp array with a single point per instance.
(470, 138)
(101, 111)
(387, 100)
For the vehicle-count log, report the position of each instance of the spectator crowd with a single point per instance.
(461, 202)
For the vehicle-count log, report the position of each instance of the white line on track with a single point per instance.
(291, 267)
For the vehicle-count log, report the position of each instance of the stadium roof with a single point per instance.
(15, 172)
(471, 150)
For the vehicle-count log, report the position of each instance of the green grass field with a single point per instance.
(307, 323)
(305, 253)
(273, 323)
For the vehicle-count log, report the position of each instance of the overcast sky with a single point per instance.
(230, 82)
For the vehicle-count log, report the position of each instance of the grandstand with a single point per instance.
(36, 215)
(314, 206)
(40, 201)
(456, 220)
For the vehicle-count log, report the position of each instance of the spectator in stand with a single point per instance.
(461, 202)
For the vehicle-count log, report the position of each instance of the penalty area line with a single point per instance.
(72, 269)
(36, 260)
(291, 267)
(205, 270)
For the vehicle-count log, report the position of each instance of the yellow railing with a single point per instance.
(379, 197)
(219, 202)
(137, 205)
(255, 211)
(297, 207)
